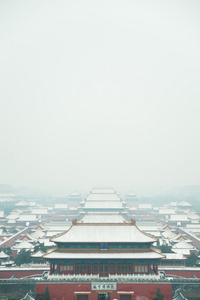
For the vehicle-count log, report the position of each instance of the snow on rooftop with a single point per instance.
(92, 233)
(37, 234)
(185, 252)
(3, 255)
(103, 205)
(23, 245)
(21, 203)
(193, 216)
(12, 216)
(37, 254)
(39, 211)
(166, 211)
(103, 255)
(169, 234)
(2, 214)
(184, 203)
(144, 205)
(103, 197)
(103, 218)
(103, 191)
(27, 218)
(61, 206)
(183, 245)
(46, 242)
(176, 256)
(178, 217)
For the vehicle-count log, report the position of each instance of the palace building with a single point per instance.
(103, 256)
(103, 248)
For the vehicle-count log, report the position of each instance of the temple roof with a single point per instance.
(103, 233)
(103, 205)
(3, 255)
(103, 254)
(103, 218)
(38, 254)
(103, 197)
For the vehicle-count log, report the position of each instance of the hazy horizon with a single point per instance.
(100, 93)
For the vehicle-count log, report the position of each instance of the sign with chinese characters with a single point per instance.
(102, 286)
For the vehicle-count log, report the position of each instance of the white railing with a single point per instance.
(110, 277)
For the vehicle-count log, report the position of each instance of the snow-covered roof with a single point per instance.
(23, 245)
(179, 296)
(178, 217)
(184, 203)
(103, 205)
(103, 197)
(3, 255)
(2, 214)
(169, 234)
(177, 256)
(38, 234)
(185, 252)
(27, 297)
(50, 234)
(103, 218)
(12, 216)
(39, 211)
(103, 191)
(183, 245)
(104, 255)
(27, 218)
(75, 194)
(57, 228)
(38, 254)
(174, 204)
(144, 206)
(92, 233)
(193, 216)
(166, 211)
(46, 242)
(22, 203)
(61, 206)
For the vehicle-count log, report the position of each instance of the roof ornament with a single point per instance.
(133, 221)
(74, 222)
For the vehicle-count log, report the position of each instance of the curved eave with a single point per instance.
(103, 233)
(117, 256)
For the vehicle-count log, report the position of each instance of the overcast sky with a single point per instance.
(99, 93)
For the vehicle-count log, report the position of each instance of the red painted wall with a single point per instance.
(19, 273)
(65, 291)
(183, 273)
(10, 241)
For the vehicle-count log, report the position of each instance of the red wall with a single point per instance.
(10, 241)
(5, 274)
(65, 291)
(183, 273)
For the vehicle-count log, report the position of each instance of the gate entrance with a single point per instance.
(125, 297)
(82, 297)
(103, 296)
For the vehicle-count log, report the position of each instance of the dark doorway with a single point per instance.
(103, 296)
(125, 297)
(82, 297)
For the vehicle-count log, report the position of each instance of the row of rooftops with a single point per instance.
(105, 233)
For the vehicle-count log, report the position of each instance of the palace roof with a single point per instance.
(103, 205)
(103, 191)
(38, 254)
(102, 254)
(103, 233)
(103, 218)
(103, 197)
(3, 255)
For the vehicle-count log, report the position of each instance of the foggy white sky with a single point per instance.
(97, 93)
